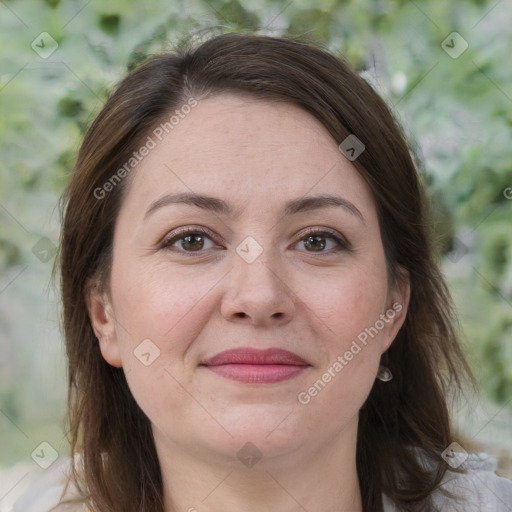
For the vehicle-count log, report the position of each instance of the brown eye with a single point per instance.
(323, 242)
(315, 243)
(189, 241)
(192, 242)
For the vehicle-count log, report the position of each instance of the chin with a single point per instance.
(270, 428)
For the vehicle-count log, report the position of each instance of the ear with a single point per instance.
(397, 306)
(101, 315)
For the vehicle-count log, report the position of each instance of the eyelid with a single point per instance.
(178, 233)
(344, 244)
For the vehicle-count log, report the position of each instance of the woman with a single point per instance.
(253, 316)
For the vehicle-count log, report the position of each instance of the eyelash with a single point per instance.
(343, 244)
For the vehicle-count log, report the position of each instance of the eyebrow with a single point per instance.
(219, 206)
(205, 202)
(325, 201)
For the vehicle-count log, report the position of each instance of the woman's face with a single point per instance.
(274, 245)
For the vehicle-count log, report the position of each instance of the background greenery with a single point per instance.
(458, 112)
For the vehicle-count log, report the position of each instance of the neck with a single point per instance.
(321, 477)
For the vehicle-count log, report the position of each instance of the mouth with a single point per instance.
(256, 366)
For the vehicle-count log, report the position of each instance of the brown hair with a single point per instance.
(398, 417)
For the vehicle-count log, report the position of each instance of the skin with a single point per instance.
(256, 156)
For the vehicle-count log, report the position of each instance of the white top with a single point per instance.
(480, 490)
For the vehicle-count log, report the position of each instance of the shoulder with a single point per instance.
(48, 490)
(478, 489)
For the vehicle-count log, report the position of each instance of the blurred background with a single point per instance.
(444, 69)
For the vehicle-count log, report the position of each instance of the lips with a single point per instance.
(254, 356)
(256, 366)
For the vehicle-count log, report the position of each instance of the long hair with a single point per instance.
(119, 466)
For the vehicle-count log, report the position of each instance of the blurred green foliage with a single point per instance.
(457, 113)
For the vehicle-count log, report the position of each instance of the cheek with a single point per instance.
(348, 304)
(160, 314)
(348, 324)
(158, 304)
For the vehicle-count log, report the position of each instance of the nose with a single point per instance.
(258, 294)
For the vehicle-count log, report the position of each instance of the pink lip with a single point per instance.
(256, 366)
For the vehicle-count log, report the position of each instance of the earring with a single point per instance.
(384, 374)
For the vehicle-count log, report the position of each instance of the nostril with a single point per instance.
(241, 315)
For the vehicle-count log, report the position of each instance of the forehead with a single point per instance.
(249, 149)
